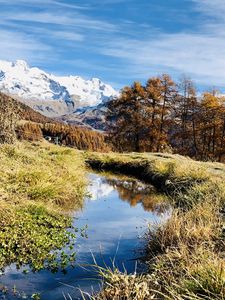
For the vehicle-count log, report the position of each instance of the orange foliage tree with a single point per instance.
(162, 115)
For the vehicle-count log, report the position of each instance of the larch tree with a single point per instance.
(163, 115)
(185, 110)
(211, 125)
(129, 119)
(168, 91)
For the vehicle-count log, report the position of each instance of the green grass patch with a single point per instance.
(29, 235)
(40, 183)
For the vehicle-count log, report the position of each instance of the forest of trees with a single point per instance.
(62, 134)
(163, 116)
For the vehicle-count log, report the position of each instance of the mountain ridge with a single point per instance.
(52, 95)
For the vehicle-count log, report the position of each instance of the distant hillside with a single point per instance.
(34, 126)
(25, 112)
(93, 118)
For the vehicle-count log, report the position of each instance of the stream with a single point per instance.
(116, 214)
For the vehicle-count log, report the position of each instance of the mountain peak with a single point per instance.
(94, 79)
(21, 64)
(49, 94)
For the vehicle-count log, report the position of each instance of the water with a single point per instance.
(117, 214)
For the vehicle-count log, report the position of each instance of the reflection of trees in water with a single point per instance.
(134, 192)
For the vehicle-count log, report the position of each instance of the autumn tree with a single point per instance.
(161, 92)
(168, 92)
(129, 119)
(153, 94)
(140, 116)
(29, 131)
(185, 108)
(211, 121)
(73, 136)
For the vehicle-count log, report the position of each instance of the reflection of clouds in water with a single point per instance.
(118, 229)
(98, 189)
(114, 229)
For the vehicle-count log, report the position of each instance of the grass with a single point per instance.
(42, 172)
(185, 255)
(39, 183)
(123, 286)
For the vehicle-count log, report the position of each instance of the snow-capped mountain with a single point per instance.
(49, 94)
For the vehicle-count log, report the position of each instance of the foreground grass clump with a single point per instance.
(124, 286)
(185, 255)
(42, 172)
(38, 182)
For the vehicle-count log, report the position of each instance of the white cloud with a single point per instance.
(201, 56)
(29, 34)
(199, 53)
(99, 189)
(215, 8)
(40, 3)
(17, 45)
(76, 20)
(66, 35)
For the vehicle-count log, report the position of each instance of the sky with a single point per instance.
(118, 41)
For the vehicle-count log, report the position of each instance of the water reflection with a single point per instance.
(134, 192)
(99, 188)
(117, 212)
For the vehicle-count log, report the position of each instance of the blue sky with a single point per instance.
(118, 41)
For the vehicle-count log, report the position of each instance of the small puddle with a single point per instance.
(116, 214)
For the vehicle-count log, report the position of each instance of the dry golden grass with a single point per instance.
(41, 172)
(123, 286)
(166, 164)
(201, 224)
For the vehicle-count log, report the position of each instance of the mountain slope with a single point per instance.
(33, 126)
(51, 95)
(25, 113)
(91, 117)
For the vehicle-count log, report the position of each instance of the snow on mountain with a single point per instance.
(87, 92)
(49, 94)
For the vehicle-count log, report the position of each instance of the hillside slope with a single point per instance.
(34, 126)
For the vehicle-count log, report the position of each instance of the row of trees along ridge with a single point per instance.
(163, 115)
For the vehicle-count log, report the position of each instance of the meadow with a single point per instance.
(41, 183)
